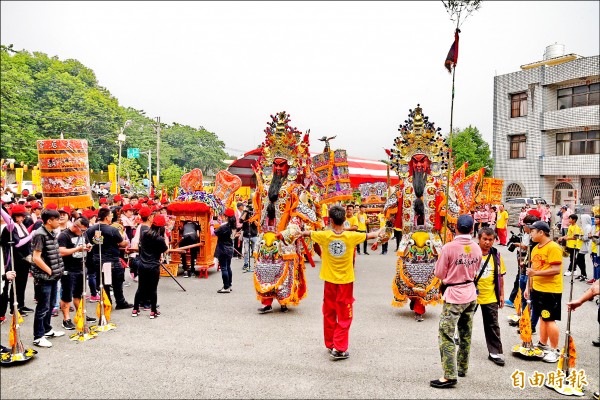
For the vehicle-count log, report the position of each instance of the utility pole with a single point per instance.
(157, 151)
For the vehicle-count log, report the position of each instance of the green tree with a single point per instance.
(195, 148)
(171, 176)
(469, 146)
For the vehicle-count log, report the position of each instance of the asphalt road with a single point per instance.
(209, 345)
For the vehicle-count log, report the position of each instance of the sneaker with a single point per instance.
(541, 346)
(583, 278)
(596, 343)
(154, 314)
(42, 342)
(90, 319)
(284, 309)
(94, 299)
(123, 306)
(25, 309)
(265, 309)
(568, 273)
(551, 356)
(509, 303)
(68, 325)
(54, 333)
(135, 313)
(223, 290)
(55, 312)
(448, 383)
(591, 281)
(367, 254)
(497, 359)
(339, 355)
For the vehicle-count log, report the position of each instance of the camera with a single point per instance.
(247, 213)
(512, 242)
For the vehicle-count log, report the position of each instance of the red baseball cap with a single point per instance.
(145, 212)
(117, 197)
(65, 209)
(88, 213)
(35, 205)
(51, 206)
(229, 212)
(150, 202)
(18, 210)
(138, 206)
(102, 200)
(159, 220)
(126, 207)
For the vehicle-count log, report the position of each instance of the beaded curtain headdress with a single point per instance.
(284, 141)
(419, 136)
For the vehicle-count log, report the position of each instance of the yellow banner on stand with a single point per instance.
(36, 180)
(112, 177)
(19, 178)
(154, 180)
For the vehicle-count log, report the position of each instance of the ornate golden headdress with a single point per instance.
(419, 136)
(284, 141)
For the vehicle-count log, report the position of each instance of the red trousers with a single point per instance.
(337, 314)
(502, 233)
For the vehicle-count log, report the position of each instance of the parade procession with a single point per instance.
(324, 256)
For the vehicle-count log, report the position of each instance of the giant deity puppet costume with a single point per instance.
(283, 208)
(420, 158)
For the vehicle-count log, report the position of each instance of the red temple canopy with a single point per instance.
(361, 170)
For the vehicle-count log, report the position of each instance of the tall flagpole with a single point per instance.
(450, 159)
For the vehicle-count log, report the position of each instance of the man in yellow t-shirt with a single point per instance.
(337, 271)
(546, 283)
(501, 222)
(361, 218)
(574, 242)
(490, 293)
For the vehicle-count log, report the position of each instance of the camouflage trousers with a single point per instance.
(455, 316)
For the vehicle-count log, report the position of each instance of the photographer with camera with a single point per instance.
(523, 243)
(250, 236)
(237, 243)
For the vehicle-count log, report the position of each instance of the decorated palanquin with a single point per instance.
(195, 204)
(283, 208)
(420, 158)
(373, 196)
(64, 172)
(331, 168)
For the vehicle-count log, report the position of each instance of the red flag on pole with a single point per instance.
(452, 56)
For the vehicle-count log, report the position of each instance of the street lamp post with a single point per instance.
(121, 138)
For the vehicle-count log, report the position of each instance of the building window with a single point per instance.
(518, 145)
(577, 143)
(518, 105)
(578, 96)
(590, 188)
(514, 190)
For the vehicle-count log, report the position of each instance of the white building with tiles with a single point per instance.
(547, 129)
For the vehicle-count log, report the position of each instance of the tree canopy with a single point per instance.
(43, 97)
(469, 146)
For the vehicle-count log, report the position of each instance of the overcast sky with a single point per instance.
(351, 69)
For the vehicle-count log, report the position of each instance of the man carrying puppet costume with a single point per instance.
(283, 209)
(420, 158)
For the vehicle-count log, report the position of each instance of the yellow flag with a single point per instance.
(525, 326)
(112, 177)
(572, 355)
(79, 319)
(517, 302)
(19, 179)
(107, 306)
(36, 180)
(12, 334)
